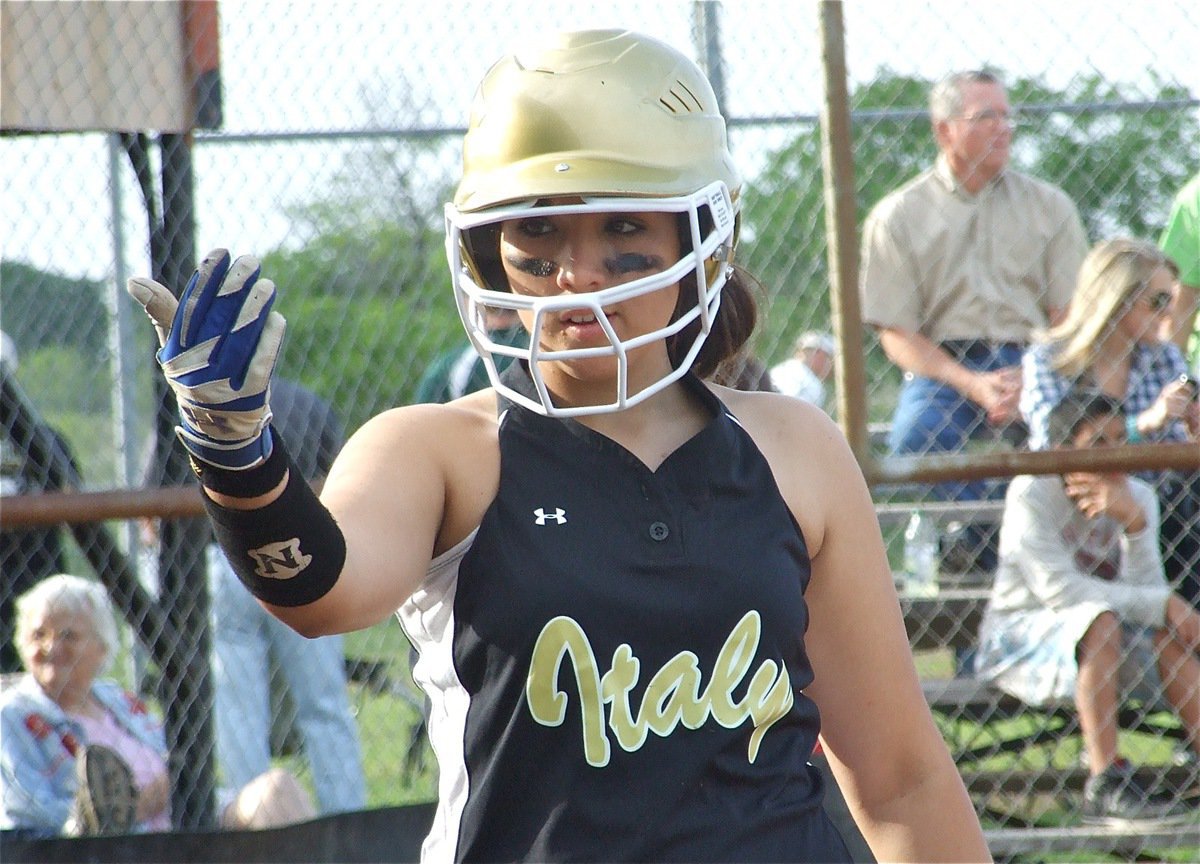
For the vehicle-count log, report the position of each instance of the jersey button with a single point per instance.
(659, 531)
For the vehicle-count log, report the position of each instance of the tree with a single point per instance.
(367, 294)
(1121, 167)
(1121, 164)
(43, 309)
(60, 326)
(785, 211)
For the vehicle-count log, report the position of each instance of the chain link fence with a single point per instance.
(337, 145)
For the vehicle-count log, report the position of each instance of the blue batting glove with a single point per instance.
(220, 342)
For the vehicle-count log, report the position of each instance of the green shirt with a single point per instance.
(460, 371)
(1181, 243)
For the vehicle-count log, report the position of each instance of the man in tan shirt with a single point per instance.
(959, 267)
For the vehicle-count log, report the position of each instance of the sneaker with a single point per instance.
(1186, 773)
(105, 797)
(1117, 799)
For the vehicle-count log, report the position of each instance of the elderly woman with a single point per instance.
(79, 754)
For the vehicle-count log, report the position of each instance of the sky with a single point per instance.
(304, 65)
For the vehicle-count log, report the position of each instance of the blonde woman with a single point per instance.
(1109, 341)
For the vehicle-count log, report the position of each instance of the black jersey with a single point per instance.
(615, 658)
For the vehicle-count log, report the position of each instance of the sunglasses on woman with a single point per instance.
(1158, 301)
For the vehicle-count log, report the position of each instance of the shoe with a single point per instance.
(105, 797)
(1117, 799)
(1186, 773)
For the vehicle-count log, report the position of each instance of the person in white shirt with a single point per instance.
(1081, 609)
(803, 375)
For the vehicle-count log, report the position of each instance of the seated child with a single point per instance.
(1080, 608)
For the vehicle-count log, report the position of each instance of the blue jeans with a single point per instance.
(244, 635)
(932, 417)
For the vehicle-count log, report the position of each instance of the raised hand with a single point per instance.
(1097, 494)
(1173, 403)
(220, 342)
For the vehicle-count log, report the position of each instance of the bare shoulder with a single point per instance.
(427, 429)
(807, 452)
(443, 459)
(775, 421)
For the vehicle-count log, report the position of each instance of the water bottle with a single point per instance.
(921, 556)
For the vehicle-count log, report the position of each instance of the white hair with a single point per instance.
(815, 340)
(947, 96)
(8, 352)
(73, 594)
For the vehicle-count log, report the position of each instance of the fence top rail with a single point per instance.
(942, 511)
(52, 508)
(1005, 842)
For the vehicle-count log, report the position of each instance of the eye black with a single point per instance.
(632, 262)
(538, 267)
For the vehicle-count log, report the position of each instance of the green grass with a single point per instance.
(397, 761)
(1058, 808)
(385, 642)
(386, 726)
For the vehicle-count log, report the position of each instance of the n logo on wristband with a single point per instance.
(281, 560)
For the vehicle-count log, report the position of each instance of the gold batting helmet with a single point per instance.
(623, 122)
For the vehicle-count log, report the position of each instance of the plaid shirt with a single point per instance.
(1154, 366)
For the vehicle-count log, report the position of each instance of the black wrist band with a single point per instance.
(287, 553)
(250, 482)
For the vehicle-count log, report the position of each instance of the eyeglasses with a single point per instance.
(990, 117)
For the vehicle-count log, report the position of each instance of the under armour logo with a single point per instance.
(281, 560)
(559, 516)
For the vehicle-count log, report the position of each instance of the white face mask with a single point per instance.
(713, 248)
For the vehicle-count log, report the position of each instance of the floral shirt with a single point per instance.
(38, 746)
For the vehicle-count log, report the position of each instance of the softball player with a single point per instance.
(639, 598)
